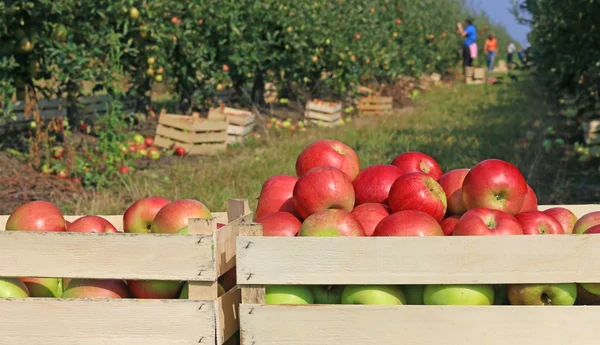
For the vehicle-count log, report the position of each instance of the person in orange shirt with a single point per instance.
(491, 50)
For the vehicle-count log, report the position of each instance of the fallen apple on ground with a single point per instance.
(288, 294)
(475, 294)
(373, 295)
(542, 294)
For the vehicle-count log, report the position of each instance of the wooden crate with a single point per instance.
(196, 135)
(416, 260)
(200, 258)
(475, 75)
(49, 109)
(375, 106)
(240, 123)
(327, 114)
(94, 106)
(591, 132)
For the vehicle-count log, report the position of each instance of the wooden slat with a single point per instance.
(190, 137)
(228, 314)
(418, 325)
(106, 321)
(418, 260)
(578, 210)
(240, 130)
(200, 126)
(105, 256)
(323, 117)
(207, 149)
(175, 121)
(166, 143)
(241, 120)
(323, 108)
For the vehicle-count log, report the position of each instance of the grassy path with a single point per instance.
(458, 125)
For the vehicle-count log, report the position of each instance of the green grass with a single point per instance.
(458, 125)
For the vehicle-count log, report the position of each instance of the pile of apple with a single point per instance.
(412, 196)
(142, 147)
(149, 215)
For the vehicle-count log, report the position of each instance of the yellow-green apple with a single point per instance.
(373, 295)
(414, 294)
(95, 288)
(452, 182)
(185, 291)
(44, 287)
(13, 288)
(323, 188)
(408, 223)
(372, 185)
(327, 294)
(495, 184)
(36, 215)
(485, 222)
(326, 152)
(153, 289)
(475, 294)
(173, 217)
(288, 294)
(276, 195)
(138, 139)
(530, 203)
(539, 223)
(448, 224)
(279, 224)
(418, 162)
(586, 222)
(332, 222)
(419, 192)
(154, 153)
(565, 217)
(138, 217)
(542, 294)
(369, 215)
(91, 224)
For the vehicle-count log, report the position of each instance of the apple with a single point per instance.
(91, 224)
(280, 224)
(408, 223)
(148, 141)
(134, 13)
(369, 215)
(154, 153)
(530, 203)
(500, 295)
(124, 169)
(452, 182)
(448, 224)
(372, 185)
(586, 222)
(36, 215)
(419, 192)
(565, 217)
(138, 217)
(418, 162)
(495, 184)
(138, 139)
(373, 295)
(155, 289)
(484, 222)
(95, 288)
(414, 294)
(327, 294)
(288, 294)
(322, 188)
(58, 152)
(179, 151)
(539, 223)
(585, 297)
(542, 294)
(328, 153)
(331, 222)
(276, 195)
(185, 291)
(44, 287)
(173, 218)
(13, 288)
(474, 294)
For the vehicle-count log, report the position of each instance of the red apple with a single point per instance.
(179, 151)
(155, 289)
(369, 215)
(452, 182)
(91, 224)
(332, 222)
(372, 185)
(124, 169)
(484, 222)
(279, 224)
(138, 217)
(149, 141)
(420, 192)
(173, 218)
(322, 188)
(593, 230)
(276, 195)
(36, 215)
(586, 222)
(328, 153)
(565, 217)
(530, 203)
(67, 224)
(495, 184)
(418, 162)
(408, 223)
(539, 223)
(95, 288)
(449, 224)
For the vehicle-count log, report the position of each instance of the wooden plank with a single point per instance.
(106, 256)
(418, 325)
(241, 120)
(579, 210)
(592, 126)
(206, 290)
(228, 314)
(418, 260)
(167, 143)
(251, 294)
(323, 117)
(207, 149)
(202, 126)
(175, 121)
(190, 137)
(240, 130)
(324, 108)
(106, 321)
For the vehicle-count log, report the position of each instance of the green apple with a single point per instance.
(13, 287)
(585, 297)
(542, 294)
(44, 287)
(327, 294)
(414, 294)
(593, 288)
(458, 295)
(186, 288)
(373, 295)
(138, 139)
(500, 295)
(288, 294)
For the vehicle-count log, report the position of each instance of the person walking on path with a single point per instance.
(470, 43)
(491, 49)
(511, 52)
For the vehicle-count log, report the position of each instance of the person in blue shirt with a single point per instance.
(470, 35)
